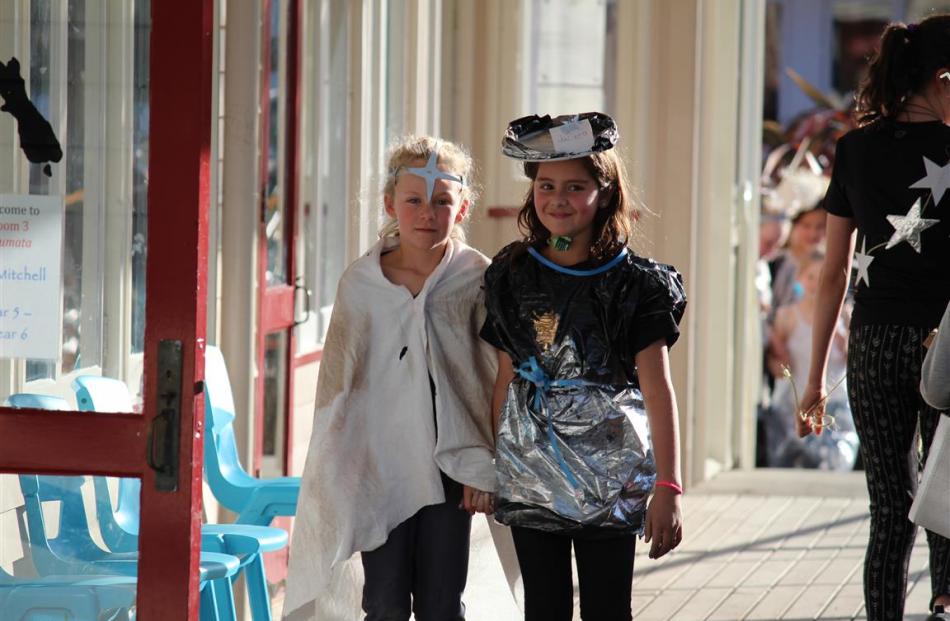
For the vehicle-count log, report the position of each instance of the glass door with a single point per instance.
(280, 289)
(278, 285)
(321, 246)
(104, 142)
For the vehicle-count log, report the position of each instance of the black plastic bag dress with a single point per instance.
(573, 451)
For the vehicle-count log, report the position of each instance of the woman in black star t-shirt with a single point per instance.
(889, 206)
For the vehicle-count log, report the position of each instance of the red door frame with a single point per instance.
(176, 279)
(276, 303)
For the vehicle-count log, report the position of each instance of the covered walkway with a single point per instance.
(758, 546)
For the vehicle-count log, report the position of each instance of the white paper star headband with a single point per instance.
(431, 173)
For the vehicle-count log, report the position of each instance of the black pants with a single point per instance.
(604, 568)
(883, 387)
(423, 565)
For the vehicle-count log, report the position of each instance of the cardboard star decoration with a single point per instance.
(909, 227)
(862, 260)
(937, 180)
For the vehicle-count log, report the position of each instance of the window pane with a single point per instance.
(274, 220)
(39, 89)
(568, 69)
(140, 94)
(275, 403)
(395, 72)
(84, 67)
(322, 243)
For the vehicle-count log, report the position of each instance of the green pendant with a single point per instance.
(559, 242)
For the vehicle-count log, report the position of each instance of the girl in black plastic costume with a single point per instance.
(582, 327)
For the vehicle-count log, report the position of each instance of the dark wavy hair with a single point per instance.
(613, 223)
(908, 56)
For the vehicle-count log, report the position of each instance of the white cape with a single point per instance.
(374, 460)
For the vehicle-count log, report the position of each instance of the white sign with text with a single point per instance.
(31, 248)
(573, 137)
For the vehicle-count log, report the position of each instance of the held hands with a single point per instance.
(811, 411)
(664, 522)
(476, 501)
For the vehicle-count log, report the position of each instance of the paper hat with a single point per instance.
(543, 139)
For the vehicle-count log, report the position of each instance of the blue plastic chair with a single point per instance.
(73, 551)
(120, 526)
(66, 597)
(214, 582)
(245, 543)
(36, 402)
(82, 598)
(256, 501)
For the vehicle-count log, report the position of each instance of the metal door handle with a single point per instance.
(163, 446)
(300, 286)
(163, 449)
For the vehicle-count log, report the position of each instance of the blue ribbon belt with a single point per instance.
(532, 372)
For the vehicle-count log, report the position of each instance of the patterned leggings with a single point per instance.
(883, 387)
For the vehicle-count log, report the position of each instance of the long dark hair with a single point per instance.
(613, 223)
(907, 58)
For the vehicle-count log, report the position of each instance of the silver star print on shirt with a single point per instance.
(862, 260)
(908, 228)
(937, 180)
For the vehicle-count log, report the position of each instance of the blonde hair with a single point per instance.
(411, 149)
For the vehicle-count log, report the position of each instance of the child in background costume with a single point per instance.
(581, 326)
(805, 236)
(790, 347)
(402, 417)
(888, 204)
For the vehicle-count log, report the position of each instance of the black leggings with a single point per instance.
(604, 568)
(883, 387)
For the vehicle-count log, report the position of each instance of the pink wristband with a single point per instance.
(676, 487)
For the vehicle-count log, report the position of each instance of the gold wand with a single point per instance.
(816, 421)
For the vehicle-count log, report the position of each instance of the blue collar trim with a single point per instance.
(566, 270)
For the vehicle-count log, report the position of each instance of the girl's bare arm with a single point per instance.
(473, 500)
(653, 369)
(831, 290)
(664, 517)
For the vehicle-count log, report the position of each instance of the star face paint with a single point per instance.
(432, 173)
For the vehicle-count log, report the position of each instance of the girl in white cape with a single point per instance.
(402, 445)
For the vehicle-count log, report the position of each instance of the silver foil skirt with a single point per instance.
(604, 473)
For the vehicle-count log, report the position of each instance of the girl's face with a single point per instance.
(425, 223)
(566, 199)
(808, 231)
(771, 235)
